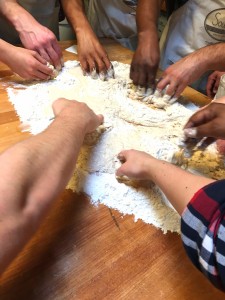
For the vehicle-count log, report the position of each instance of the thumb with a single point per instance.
(100, 119)
(205, 130)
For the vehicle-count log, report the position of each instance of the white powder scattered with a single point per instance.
(129, 124)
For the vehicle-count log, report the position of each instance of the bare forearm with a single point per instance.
(210, 57)
(32, 174)
(147, 17)
(5, 50)
(16, 14)
(178, 185)
(74, 10)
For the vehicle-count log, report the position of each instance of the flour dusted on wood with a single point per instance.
(128, 124)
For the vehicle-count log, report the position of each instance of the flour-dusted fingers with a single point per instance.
(163, 83)
(40, 76)
(207, 122)
(111, 72)
(44, 55)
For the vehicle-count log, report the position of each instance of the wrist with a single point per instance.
(148, 37)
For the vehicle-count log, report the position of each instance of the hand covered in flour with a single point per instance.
(135, 164)
(145, 62)
(77, 112)
(208, 121)
(179, 75)
(36, 37)
(213, 83)
(92, 56)
(27, 63)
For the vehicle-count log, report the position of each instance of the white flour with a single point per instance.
(129, 124)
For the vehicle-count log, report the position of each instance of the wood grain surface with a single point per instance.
(87, 252)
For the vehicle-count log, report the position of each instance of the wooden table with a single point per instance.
(80, 253)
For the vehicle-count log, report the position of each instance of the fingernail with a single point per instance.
(191, 132)
(62, 61)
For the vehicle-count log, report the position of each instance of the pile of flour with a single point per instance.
(128, 124)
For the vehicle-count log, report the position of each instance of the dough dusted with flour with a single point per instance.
(128, 124)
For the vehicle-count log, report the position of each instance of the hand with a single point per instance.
(135, 164)
(144, 64)
(28, 64)
(91, 54)
(213, 83)
(179, 75)
(39, 38)
(209, 121)
(79, 111)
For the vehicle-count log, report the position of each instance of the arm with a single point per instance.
(146, 58)
(202, 223)
(213, 83)
(42, 170)
(26, 63)
(33, 35)
(163, 174)
(192, 67)
(90, 52)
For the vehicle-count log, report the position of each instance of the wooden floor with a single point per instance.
(87, 252)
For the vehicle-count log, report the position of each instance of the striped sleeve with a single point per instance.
(203, 232)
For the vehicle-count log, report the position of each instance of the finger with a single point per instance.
(143, 79)
(206, 142)
(84, 67)
(171, 88)
(216, 85)
(221, 146)
(162, 84)
(209, 87)
(200, 117)
(100, 119)
(44, 54)
(44, 69)
(39, 58)
(201, 131)
(54, 58)
(121, 158)
(91, 65)
(100, 66)
(57, 48)
(179, 90)
(110, 72)
(134, 76)
(106, 61)
(122, 170)
(39, 75)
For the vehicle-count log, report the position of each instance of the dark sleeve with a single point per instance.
(203, 232)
